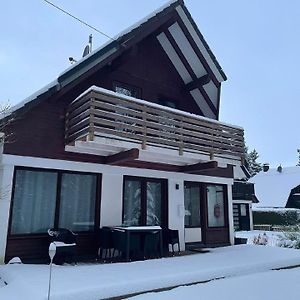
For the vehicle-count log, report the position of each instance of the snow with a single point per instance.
(120, 34)
(29, 99)
(273, 188)
(277, 210)
(275, 285)
(155, 105)
(98, 281)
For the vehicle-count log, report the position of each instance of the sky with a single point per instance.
(256, 42)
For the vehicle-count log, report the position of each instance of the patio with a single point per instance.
(102, 281)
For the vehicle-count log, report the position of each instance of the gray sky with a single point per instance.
(256, 42)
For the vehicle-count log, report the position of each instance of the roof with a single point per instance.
(117, 45)
(273, 188)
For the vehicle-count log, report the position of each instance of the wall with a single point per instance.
(111, 201)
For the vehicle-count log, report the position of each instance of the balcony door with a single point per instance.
(144, 201)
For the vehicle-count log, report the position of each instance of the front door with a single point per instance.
(193, 219)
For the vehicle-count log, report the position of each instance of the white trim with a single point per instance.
(198, 97)
(36, 162)
(199, 43)
(175, 59)
(187, 50)
(230, 214)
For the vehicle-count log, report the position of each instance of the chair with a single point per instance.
(171, 237)
(66, 244)
(151, 244)
(119, 242)
(105, 243)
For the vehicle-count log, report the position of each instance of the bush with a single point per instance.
(273, 217)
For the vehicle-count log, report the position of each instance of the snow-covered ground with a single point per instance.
(273, 285)
(98, 281)
(273, 238)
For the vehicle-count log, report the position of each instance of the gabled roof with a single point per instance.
(273, 188)
(124, 40)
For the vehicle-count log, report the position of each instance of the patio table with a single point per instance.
(139, 229)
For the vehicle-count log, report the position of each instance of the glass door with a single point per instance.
(144, 202)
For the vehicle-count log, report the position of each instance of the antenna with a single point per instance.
(88, 48)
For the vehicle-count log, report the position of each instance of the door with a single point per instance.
(216, 225)
(145, 201)
(193, 212)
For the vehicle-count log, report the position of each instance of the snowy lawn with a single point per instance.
(89, 282)
(274, 237)
(275, 285)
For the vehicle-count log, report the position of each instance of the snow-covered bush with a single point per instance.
(291, 239)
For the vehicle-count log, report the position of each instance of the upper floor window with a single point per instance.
(126, 89)
(168, 102)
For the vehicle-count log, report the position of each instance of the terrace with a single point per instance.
(123, 128)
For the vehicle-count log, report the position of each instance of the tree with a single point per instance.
(251, 162)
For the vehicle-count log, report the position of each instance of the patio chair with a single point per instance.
(171, 237)
(65, 242)
(105, 243)
(151, 245)
(119, 242)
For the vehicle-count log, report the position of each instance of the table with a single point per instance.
(139, 229)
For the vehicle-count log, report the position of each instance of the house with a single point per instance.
(278, 188)
(127, 135)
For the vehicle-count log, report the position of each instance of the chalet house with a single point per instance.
(127, 135)
(278, 188)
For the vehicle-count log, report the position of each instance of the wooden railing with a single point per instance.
(101, 114)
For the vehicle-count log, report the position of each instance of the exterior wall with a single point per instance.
(145, 66)
(111, 198)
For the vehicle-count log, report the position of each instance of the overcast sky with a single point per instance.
(256, 42)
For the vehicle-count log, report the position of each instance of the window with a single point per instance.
(192, 200)
(77, 202)
(44, 199)
(33, 202)
(168, 102)
(144, 201)
(126, 89)
(216, 206)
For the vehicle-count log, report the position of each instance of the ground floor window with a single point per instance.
(192, 199)
(43, 199)
(216, 205)
(144, 201)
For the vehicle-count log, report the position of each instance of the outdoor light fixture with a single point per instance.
(52, 252)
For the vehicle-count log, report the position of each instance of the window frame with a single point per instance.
(59, 173)
(129, 87)
(164, 198)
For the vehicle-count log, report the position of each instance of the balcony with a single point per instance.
(105, 123)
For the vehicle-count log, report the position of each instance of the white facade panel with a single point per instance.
(212, 92)
(187, 50)
(198, 97)
(176, 61)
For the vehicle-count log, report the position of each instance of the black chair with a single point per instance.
(151, 245)
(105, 243)
(171, 237)
(119, 243)
(66, 245)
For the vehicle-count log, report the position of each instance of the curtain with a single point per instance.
(153, 203)
(215, 201)
(132, 203)
(77, 202)
(33, 201)
(192, 206)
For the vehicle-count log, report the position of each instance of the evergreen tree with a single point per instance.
(252, 164)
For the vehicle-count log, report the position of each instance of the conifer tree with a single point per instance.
(252, 164)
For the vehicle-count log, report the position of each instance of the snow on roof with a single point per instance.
(120, 34)
(29, 99)
(273, 188)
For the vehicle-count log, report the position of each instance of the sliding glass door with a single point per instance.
(144, 201)
(43, 199)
